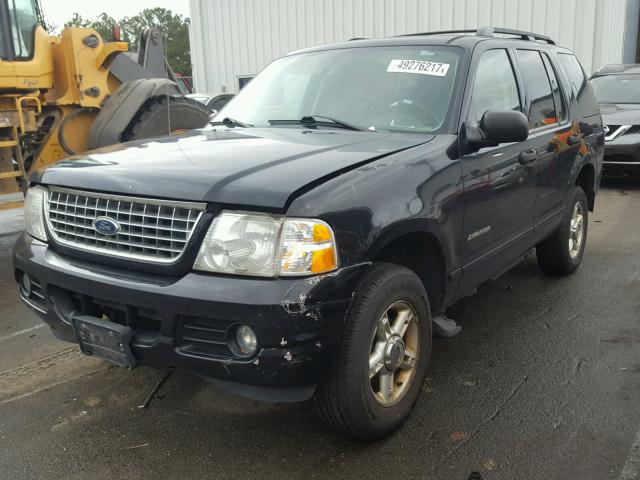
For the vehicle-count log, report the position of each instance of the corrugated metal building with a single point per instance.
(232, 40)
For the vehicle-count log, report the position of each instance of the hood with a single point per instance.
(620, 114)
(260, 167)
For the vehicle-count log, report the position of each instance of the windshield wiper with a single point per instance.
(232, 122)
(314, 120)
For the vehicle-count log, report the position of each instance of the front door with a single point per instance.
(499, 182)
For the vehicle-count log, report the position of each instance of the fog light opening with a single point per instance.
(25, 284)
(245, 342)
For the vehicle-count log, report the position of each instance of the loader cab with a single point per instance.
(18, 22)
(26, 58)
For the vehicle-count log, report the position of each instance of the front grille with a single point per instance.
(150, 230)
(614, 131)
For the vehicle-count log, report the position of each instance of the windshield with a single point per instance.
(404, 88)
(623, 88)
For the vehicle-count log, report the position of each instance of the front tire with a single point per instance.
(382, 361)
(561, 253)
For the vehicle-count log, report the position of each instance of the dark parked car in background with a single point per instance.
(617, 88)
(301, 244)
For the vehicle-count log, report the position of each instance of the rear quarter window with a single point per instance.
(580, 86)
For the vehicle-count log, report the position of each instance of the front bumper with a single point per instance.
(622, 154)
(184, 322)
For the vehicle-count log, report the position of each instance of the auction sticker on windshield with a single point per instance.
(418, 66)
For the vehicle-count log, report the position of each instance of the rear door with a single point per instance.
(499, 182)
(551, 135)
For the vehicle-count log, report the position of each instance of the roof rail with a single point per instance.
(489, 32)
(440, 32)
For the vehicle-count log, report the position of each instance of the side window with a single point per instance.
(540, 106)
(582, 89)
(573, 70)
(495, 86)
(558, 99)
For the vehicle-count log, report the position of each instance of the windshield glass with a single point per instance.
(623, 88)
(404, 88)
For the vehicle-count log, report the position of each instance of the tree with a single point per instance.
(174, 31)
(103, 24)
(173, 27)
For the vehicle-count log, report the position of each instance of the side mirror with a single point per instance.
(496, 127)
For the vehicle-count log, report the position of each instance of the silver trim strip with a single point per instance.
(32, 305)
(150, 201)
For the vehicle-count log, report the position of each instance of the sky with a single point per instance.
(59, 11)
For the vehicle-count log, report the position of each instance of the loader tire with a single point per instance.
(161, 116)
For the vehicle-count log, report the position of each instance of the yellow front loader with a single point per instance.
(61, 95)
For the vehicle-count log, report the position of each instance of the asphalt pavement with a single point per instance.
(543, 382)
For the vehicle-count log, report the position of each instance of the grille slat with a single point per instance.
(133, 224)
(151, 230)
(105, 211)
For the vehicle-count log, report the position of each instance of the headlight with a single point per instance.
(267, 245)
(307, 247)
(34, 213)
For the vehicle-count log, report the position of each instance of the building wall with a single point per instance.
(231, 38)
(629, 53)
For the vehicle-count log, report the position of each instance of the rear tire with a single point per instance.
(164, 116)
(352, 397)
(561, 253)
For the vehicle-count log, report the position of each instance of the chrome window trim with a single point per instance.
(198, 206)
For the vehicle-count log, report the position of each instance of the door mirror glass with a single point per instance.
(498, 126)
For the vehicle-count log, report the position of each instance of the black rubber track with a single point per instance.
(164, 115)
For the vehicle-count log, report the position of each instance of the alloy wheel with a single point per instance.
(395, 347)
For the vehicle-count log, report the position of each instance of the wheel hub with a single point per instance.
(576, 231)
(393, 353)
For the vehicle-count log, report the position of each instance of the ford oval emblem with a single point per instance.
(106, 226)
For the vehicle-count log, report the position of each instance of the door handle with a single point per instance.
(527, 156)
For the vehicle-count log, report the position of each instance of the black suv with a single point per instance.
(617, 88)
(300, 245)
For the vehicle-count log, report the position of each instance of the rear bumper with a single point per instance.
(183, 322)
(622, 155)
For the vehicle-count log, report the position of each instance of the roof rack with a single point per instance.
(490, 31)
